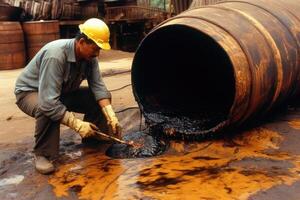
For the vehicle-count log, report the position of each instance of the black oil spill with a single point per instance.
(186, 128)
(148, 144)
(153, 142)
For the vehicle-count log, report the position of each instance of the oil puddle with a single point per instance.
(155, 139)
(222, 169)
(145, 144)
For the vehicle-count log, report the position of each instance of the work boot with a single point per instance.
(43, 165)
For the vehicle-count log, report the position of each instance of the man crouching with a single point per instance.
(48, 89)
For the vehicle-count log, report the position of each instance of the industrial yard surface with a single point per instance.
(259, 163)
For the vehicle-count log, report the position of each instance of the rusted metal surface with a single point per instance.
(247, 53)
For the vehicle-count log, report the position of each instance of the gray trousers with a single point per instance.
(47, 131)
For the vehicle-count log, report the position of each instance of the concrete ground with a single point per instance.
(258, 163)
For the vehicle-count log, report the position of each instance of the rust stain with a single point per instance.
(206, 170)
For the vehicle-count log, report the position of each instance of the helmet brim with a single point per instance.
(104, 45)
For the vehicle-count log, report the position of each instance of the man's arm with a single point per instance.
(51, 79)
(49, 91)
(96, 83)
(103, 97)
(103, 102)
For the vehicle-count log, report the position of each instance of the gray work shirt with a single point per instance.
(54, 71)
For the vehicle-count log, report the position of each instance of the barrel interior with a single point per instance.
(180, 71)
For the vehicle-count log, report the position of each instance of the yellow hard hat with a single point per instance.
(96, 30)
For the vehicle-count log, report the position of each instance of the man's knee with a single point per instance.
(28, 102)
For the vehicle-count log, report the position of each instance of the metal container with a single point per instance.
(219, 66)
(12, 49)
(39, 33)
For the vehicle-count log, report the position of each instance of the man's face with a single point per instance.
(88, 51)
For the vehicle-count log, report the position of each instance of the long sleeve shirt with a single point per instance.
(54, 71)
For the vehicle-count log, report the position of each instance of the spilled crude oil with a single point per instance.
(176, 126)
(146, 144)
(252, 163)
(255, 161)
(154, 140)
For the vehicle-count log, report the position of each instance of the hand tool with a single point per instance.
(114, 138)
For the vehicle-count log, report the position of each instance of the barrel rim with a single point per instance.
(218, 125)
(40, 21)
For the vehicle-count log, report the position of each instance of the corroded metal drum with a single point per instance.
(218, 66)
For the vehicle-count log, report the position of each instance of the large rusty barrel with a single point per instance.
(219, 66)
(12, 48)
(39, 33)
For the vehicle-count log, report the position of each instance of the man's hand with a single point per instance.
(85, 129)
(112, 121)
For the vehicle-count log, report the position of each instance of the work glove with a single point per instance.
(114, 126)
(85, 129)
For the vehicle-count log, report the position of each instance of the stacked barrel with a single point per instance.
(14, 53)
(39, 33)
(20, 42)
(12, 49)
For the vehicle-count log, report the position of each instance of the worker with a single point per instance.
(48, 89)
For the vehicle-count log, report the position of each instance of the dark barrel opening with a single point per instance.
(180, 72)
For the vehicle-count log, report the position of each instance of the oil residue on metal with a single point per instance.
(174, 125)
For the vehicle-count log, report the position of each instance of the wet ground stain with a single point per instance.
(257, 164)
(184, 171)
